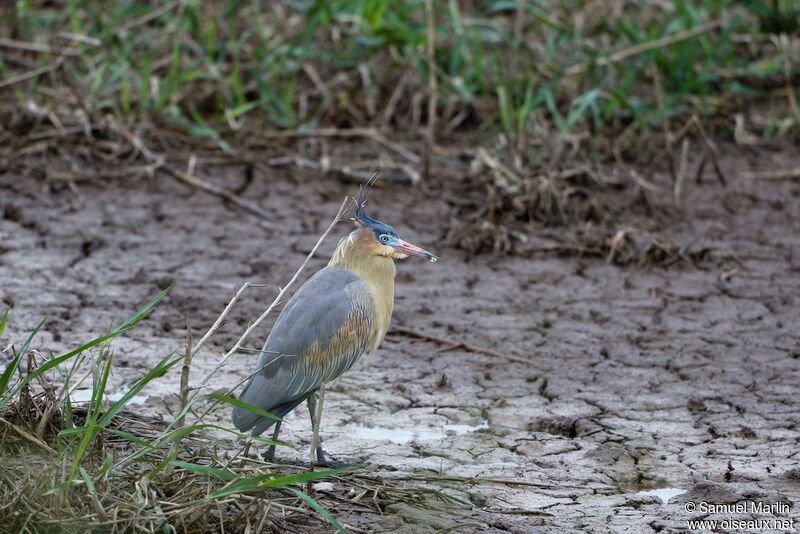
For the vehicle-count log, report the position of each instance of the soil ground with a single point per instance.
(639, 378)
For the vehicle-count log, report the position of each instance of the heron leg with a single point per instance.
(315, 411)
(271, 451)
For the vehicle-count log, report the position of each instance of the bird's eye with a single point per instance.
(384, 238)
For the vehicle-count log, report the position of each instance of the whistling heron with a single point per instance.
(339, 314)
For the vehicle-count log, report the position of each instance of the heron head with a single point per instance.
(380, 239)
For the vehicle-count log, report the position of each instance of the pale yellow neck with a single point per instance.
(377, 272)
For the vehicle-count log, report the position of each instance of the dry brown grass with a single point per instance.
(344, 89)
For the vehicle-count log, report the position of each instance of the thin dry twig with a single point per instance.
(680, 177)
(491, 480)
(218, 322)
(710, 146)
(144, 19)
(432, 90)
(783, 174)
(453, 344)
(28, 46)
(184, 391)
(66, 390)
(28, 436)
(159, 162)
(346, 133)
(215, 190)
(25, 76)
(279, 298)
(641, 48)
(662, 110)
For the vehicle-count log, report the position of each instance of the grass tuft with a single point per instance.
(73, 467)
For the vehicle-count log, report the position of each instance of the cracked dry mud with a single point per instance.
(640, 378)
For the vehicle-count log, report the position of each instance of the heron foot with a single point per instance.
(328, 462)
(270, 456)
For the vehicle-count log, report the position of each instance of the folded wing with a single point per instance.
(320, 334)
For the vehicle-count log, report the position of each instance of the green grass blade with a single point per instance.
(159, 370)
(5, 378)
(126, 435)
(174, 435)
(579, 107)
(63, 486)
(264, 441)
(241, 404)
(317, 507)
(129, 323)
(223, 474)
(78, 431)
(4, 320)
(107, 464)
(89, 429)
(144, 311)
(504, 105)
(163, 463)
(307, 476)
(87, 479)
(270, 480)
(68, 420)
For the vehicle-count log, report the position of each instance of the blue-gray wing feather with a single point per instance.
(323, 330)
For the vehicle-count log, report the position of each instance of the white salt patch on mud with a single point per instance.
(663, 494)
(83, 396)
(404, 435)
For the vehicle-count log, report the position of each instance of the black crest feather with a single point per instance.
(362, 219)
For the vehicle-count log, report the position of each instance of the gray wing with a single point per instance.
(322, 331)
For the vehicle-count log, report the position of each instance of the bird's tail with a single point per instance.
(245, 420)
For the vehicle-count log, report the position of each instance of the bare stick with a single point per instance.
(783, 174)
(27, 436)
(519, 18)
(664, 119)
(481, 480)
(221, 317)
(214, 190)
(159, 163)
(677, 191)
(496, 165)
(67, 176)
(788, 72)
(31, 74)
(35, 47)
(712, 149)
(641, 48)
(371, 133)
(279, 298)
(137, 143)
(431, 90)
(66, 389)
(397, 92)
(184, 392)
(452, 344)
(144, 19)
